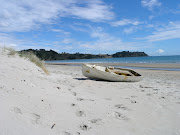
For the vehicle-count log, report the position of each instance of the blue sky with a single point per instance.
(92, 26)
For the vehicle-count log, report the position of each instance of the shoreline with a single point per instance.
(151, 66)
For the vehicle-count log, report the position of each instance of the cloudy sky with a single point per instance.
(92, 26)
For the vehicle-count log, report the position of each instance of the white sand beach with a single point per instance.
(67, 103)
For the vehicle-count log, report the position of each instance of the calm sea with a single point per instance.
(149, 59)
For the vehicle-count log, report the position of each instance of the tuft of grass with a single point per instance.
(11, 51)
(33, 58)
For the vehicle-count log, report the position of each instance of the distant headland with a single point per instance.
(53, 55)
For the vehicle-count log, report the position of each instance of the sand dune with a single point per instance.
(67, 103)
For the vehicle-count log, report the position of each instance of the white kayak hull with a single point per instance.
(99, 72)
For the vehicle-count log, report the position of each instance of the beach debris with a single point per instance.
(53, 126)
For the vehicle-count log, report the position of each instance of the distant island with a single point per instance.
(52, 55)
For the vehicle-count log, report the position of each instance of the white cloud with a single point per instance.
(124, 22)
(24, 15)
(149, 26)
(170, 31)
(67, 41)
(107, 42)
(160, 51)
(81, 27)
(150, 4)
(61, 31)
(151, 17)
(8, 40)
(130, 30)
(94, 11)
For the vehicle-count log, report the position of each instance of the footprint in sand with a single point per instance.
(133, 101)
(17, 110)
(148, 94)
(36, 118)
(91, 99)
(97, 121)
(73, 104)
(78, 133)
(59, 88)
(84, 127)
(80, 99)
(108, 99)
(121, 106)
(144, 86)
(119, 116)
(80, 114)
(66, 133)
(74, 93)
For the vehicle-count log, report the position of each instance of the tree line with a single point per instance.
(53, 55)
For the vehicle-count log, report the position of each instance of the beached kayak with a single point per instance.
(110, 73)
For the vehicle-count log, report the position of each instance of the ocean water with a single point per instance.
(149, 59)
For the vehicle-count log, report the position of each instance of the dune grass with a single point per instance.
(34, 59)
(11, 51)
(30, 56)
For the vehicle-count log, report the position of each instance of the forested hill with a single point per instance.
(129, 54)
(52, 55)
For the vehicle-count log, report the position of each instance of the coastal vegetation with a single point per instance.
(34, 59)
(129, 54)
(53, 55)
(28, 55)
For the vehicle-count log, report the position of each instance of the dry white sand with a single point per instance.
(67, 103)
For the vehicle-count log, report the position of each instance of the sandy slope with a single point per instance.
(67, 103)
